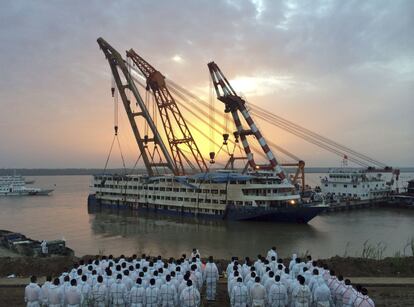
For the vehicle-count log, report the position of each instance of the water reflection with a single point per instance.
(175, 235)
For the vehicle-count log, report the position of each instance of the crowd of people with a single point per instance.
(153, 282)
(269, 282)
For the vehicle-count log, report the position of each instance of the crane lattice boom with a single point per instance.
(235, 105)
(177, 132)
(119, 68)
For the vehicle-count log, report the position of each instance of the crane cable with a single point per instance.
(303, 133)
(270, 118)
(116, 120)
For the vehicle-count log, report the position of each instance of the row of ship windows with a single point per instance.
(150, 188)
(207, 191)
(356, 195)
(339, 176)
(354, 186)
(254, 181)
(185, 199)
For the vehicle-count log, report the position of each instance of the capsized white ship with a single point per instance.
(16, 186)
(348, 183)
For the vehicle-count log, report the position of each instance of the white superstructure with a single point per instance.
(16, 186)
(206, 193)
(357, 184)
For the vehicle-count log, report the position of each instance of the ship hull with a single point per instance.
(295, 214)
(28, 193)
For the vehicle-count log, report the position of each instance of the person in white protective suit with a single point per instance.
(43, 245)
(322, 296)
(127, 281)
(273, 264)
(73, 295)
(356, 293)
(32, 293)
(137, 294)
(277, 295)
(257, 294)
(297, 268)
(271, 253)
(292, 262)
(231, 282)
(118, 292)
(270, 281)
(55, 295)
(347, 293)
(239, 294)
(65, 284)
(190, 297)
(210, 277)
(85, 290)
(364, 300)
(168, 293)
(313, 283)
(338, 290)
(99, 293)
(258, 265)
(45, 289)
(301, 296)
(152, 298)
(194, 253)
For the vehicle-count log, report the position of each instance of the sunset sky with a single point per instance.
(344, 69)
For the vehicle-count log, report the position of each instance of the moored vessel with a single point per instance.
(16, 186)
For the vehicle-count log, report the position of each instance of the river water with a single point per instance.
(64, 214)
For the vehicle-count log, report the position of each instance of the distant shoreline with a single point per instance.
(94, 171)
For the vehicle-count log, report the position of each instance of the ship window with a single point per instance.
(198, 190)
(169, 189)
(182, 190)
(176, 189)
(173, 198)
(334, 185)
(180, 199)
(207, 201)
(239, 203)
(215, 201)
(162, 189)
(222, 192)
(326, 184)
(354, 186)
(223, 202)
(167, 198)
(193, 200)
(206, 191)
(345, 186)
(186, 199)
(151, 188)
(214, 191)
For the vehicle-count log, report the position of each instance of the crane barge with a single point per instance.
(177, 180)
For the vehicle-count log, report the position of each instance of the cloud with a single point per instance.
(331, 65)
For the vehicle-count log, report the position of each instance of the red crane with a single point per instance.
(176, 130)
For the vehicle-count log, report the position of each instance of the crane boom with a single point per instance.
(119, 68)
(176, 130)
(234, 104)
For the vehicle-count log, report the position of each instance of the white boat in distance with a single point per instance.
(15, 186)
